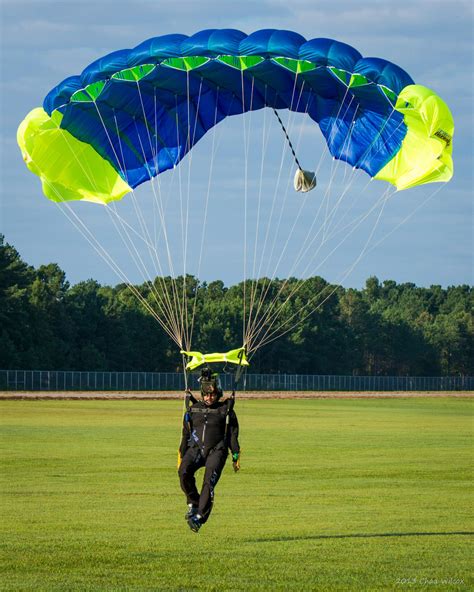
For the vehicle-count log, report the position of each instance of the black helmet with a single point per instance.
(210, 382)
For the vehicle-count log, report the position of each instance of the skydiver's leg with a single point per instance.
(214, 464)
(192, 461)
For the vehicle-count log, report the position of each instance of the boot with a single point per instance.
(191, 511)
(194, 522)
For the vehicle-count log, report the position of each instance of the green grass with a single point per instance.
(333, 495)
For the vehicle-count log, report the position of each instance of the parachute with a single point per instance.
(136, 113)
(105, 108)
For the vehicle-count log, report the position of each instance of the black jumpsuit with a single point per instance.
(203, 445)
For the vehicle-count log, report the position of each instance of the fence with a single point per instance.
(44, 380)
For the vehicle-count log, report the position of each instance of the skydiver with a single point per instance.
(210, 430)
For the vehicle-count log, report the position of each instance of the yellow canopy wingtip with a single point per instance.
(425, 155)
(69, 169)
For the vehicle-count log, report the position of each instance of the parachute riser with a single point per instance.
(185, 373)
(240, 368)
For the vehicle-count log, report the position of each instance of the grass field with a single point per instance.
(333, 495)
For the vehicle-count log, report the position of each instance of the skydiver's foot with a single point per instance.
(192, 510)
(194, 522)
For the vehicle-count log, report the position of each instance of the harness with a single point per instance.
(189, 402)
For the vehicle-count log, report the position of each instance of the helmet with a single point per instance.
(210, 382)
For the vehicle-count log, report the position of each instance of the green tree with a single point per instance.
(15, 311)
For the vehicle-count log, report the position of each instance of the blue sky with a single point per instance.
(44, 42)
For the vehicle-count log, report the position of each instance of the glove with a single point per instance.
(236, 461)
(179, 459)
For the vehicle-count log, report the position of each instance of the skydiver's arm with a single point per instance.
(184, 438)
(186, 434)
(233, 433)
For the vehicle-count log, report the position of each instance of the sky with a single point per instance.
(424, 236)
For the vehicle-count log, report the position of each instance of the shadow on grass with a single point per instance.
(317, 537)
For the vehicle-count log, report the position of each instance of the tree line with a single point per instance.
(383, 329)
